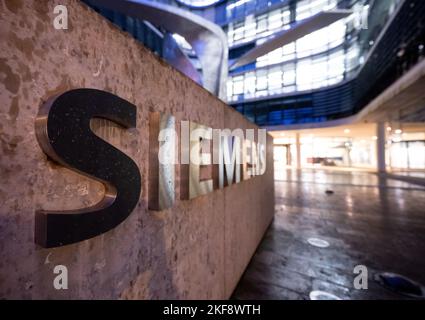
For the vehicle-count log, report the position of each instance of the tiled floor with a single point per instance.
(368, 221)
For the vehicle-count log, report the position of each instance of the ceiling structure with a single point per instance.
(359, 130)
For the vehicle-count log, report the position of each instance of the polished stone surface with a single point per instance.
(371, 221)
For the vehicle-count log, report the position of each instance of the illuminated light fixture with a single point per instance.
(316, 242)
(374, 138)
(389, 128)
(347, 131)
(181, 41)
(282, 134)
(234, 5)
(199, 3)
(398, 131)
(322, 295)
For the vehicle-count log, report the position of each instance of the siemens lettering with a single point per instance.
(208, 158)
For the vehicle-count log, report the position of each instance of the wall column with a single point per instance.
(380, 147)
(298, 148)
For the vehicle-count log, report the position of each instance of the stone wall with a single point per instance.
(197, 249)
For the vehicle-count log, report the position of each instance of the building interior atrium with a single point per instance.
(337, 85)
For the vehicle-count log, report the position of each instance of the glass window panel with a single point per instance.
(262, 61)
(335, 80)
(302, 10)
(275, 20)
(229, 87)
(289, 48)
(317, 6)
(261, 24)
(319, 41)
(275, 56)
(239, 34)
(239, 30)
(230, 84)
(289, 74)
(289, 89)
(238, 85)
(249, 83)
(336, 65)
(319, 71)
(275, 78)
(289, 77)
(286, 16)
(352, 57)
(308, 8)
(303, 47)
(304, 78)
(250, 30)
(416, 154)
(261, 80)
(261, 93)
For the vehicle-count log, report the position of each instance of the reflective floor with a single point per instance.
(411, 173)
(368, 221)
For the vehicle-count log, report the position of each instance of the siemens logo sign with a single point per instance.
(208, 158)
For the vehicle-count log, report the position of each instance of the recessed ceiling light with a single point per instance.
(316, 242)
(322, 295)
(389, 128)
(398, 131)
(347, 131)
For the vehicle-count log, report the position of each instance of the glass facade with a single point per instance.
(254, 27)
(404, 153)
(236, 9)
(292, 76)
(325, 75)
(258, 27)
(407, 151)
(327, 151)
(325, 57)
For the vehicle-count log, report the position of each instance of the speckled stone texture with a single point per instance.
(197, 249)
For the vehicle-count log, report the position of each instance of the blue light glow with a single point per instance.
(198, 3)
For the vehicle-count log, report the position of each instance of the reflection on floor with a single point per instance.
(367, 221)
(410, 173)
